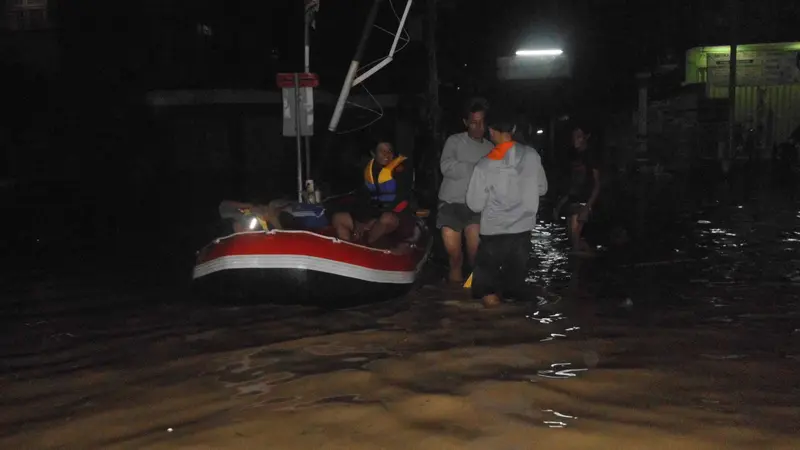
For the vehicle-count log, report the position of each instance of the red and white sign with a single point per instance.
(286, 80)
(312, 6)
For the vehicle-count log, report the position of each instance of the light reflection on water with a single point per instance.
(754, 242)
(728, 247)
(561, 371)
(550, 255)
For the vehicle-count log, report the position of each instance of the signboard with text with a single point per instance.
(764, 68)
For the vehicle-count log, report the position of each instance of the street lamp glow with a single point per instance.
(543, 52)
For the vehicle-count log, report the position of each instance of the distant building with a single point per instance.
(767, 86)
(28, 35)
(27, 15)
(232, 139)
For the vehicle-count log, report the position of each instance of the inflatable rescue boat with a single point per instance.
(288, 253)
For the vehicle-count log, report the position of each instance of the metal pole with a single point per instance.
(643, 79)
(434, 109)
(307, 39)
(734, 18)
(403, 19)
(351, 72)
(385, 62)
(552, 131)
(299, 141)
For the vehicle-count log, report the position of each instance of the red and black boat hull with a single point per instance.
(301, 267)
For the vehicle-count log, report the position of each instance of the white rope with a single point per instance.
(369, 124)
(405, 39)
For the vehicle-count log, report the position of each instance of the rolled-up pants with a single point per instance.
(501, 266)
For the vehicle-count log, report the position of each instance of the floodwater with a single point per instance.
(686, 337)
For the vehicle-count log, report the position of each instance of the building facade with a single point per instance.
(767, 100)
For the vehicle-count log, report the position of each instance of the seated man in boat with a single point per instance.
(383, 207)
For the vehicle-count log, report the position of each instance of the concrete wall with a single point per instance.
(767, 92)
(775, 108)
(231, 143)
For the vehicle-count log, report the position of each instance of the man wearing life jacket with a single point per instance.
(505, 188)
(384, 204)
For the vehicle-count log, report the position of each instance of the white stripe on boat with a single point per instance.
(303, 262)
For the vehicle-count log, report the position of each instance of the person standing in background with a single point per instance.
(461, 152)
(584, 187)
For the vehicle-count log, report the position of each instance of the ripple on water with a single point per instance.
(556, 419)
(253, 389)
(552, 337)
(356, 359)
(339, 350)
(560, 371)
(544, 317)
(548, 318)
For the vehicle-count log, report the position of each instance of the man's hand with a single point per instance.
(559, 207)
(360, 228)
(586, 210)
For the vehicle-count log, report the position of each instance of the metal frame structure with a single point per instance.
(351, 80)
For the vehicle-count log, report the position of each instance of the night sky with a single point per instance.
(112, 53)
(85, 123)
(609, 39)
(156, 44)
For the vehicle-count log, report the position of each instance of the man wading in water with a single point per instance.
(461, 152)
(505, 188)
(584, 188)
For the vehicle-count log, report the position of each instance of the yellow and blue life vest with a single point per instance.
(384, 190)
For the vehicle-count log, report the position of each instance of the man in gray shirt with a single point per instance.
(461, 152)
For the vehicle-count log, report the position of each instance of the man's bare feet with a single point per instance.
(583, 249)
(456, 277)
(582, 254)
(491, 301)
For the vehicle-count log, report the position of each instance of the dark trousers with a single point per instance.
(501, 266)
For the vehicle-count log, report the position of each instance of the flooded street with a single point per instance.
(686, 337)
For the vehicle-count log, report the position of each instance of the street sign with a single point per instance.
(286, 80)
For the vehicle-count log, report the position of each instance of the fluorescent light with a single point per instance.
(544, 52)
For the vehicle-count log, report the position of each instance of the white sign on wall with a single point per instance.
(306, 112)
